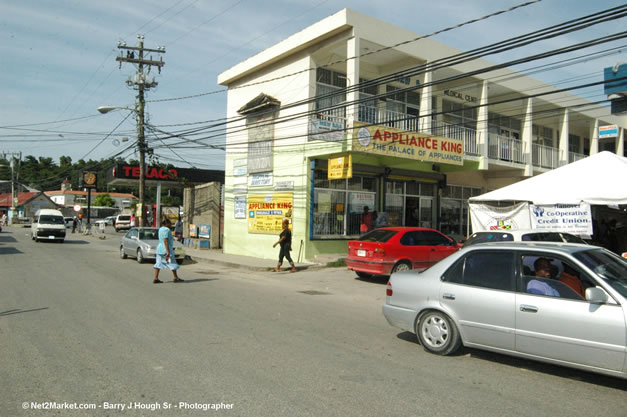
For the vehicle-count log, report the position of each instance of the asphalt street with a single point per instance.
(80, 326)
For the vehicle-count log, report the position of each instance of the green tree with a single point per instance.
(104, 200)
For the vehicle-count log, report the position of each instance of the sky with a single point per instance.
(57, 60)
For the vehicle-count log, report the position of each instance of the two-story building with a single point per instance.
(332, 119)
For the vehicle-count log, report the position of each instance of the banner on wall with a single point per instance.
(568, 218)
(380, 140)
(490, 218)
(266, 212)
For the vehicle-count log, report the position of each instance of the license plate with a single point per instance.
(361, 252)
(50, 237)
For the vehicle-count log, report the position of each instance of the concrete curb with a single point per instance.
(231, 264)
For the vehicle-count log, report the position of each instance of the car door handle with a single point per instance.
(528, 309)
(448, 296)
(432, 249)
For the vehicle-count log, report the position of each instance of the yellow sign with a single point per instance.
(380, 140)
(266, 212)
(341, 167)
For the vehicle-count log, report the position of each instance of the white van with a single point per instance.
(48, 224)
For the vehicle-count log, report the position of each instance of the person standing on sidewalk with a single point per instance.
(285, 240)
(165, 254)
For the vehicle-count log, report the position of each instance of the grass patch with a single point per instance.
(336, 264)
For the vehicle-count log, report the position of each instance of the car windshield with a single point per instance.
(50, 219)
(611, 268)
(378, 235)
(148, 235)
(124, 218)
(489, 237)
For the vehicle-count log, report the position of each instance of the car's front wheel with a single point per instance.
(437, 333)
(122, 253)
(401, 266)
(140, 256)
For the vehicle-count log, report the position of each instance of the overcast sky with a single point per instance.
(58, 58)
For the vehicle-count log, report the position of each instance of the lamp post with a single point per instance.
(141, 145)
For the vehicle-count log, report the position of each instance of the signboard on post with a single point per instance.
(266, 212)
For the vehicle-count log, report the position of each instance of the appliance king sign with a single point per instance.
(569, 218)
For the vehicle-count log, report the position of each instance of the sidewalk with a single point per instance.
(243, 262)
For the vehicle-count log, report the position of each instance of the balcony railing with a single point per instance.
(545, 156)
(505, 149)
(469, 136)
(573, 157)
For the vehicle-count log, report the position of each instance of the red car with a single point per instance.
(391, 249)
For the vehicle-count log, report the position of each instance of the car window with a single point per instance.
(607, 266)
(541, 237)
(486, 269)
(378, 235)
(489, 237)
(553, 277)
(124, 218)
(131, 233)
(573, 239)
(410, 238)
(51, 219)
(431, 238)
(148, 235)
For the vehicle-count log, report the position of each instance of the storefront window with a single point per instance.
(329, 213)
(338, 204)
(454, 209)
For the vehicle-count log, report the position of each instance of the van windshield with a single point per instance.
(50, 219)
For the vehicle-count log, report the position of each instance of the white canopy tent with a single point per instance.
(600, 179)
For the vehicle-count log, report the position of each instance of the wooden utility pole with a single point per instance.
(141, 82)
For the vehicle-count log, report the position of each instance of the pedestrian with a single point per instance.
(178, 229)
(285, 240)
(132, 221)
(3, 220)
(165, 254)
(366, 221)
(74, 224)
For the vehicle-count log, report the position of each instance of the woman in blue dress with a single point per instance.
(165, 254)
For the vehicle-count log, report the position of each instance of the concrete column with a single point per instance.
(352, 75)
(594, 138)
(527, 138)
(620, 146)
(563, 139)
(425, 103)
(482, 126)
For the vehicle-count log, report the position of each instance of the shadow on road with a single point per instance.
(191, 281)
(9, 251)
(18, 311)
(375, 279)
(4, 238)
(530, 365)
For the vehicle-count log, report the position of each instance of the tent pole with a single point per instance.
(468, 219)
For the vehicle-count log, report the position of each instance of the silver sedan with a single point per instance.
(560, 303)
(141, 243)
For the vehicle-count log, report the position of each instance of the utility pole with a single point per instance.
(141, 82)
(14, 179)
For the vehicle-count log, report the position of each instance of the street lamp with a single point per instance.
(141, 145)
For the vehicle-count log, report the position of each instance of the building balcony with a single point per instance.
(545, 156)
(505, 149)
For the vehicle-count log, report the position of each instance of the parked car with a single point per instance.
(141, 243)
(560, 303)
(521, 236)
(392, 249)
(107, 221)
(122, 222)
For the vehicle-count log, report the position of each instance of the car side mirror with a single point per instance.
(596, 295)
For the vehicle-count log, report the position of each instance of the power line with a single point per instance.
(365, 54)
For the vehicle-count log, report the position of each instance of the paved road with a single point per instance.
(80, 325)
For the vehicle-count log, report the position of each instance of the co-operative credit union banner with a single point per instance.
(380, 140)
(570, 218)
